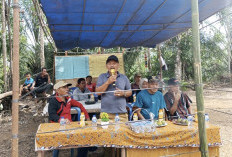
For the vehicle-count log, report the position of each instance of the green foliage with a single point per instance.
(104, 117)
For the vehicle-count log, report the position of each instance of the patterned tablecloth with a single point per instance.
(49, 137)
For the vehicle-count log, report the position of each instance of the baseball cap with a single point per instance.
(61, 84)
(173, 81)
(112, 58)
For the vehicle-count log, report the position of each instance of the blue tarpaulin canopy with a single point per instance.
(124, 23)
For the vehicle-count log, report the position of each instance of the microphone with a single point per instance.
(113, 73)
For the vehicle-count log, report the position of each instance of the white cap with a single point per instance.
(61, 84)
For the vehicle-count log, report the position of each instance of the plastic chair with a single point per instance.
(71, 90)
(130, 106)
(78, 113)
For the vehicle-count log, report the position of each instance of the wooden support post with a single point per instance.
(123, 152)
(198, 80)
(15, 98)
(40, 154)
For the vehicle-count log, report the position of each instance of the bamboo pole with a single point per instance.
(198, 80)
(15, 99)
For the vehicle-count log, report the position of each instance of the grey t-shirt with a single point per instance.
(109, 102)
(80, 97)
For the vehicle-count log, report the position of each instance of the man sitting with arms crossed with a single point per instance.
(151, 99)
(60, 106)
(113, 83)
(79, 93)
(177, 102)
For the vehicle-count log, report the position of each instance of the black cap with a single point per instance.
(173, 81)
(112, 58)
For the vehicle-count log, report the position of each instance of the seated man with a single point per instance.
(60, 106)
(28, 84)
(79, 92)
(177, 102)
(151, 99)
(43, 82)
(91, 86)
(135, 85)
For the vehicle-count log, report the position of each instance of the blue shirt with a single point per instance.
(109, 102)
(27, 82)
(80, 97)
(150, 102)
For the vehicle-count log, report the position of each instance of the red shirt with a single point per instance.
(91, 87)
(58, 108)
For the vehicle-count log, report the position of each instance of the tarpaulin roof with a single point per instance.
(124, 23)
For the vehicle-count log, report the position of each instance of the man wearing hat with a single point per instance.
(151, 99)
(60, 104)
(177, 102)
(114, 83)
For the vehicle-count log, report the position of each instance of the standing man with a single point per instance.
(151, 99)
(91, 86)
(114, 83)
(43, 82)
(80, 93)
(177, 102)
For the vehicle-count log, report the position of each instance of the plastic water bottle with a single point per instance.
(116, 120)
(190, 121)
(94, 122)
(207, 120)
(62, 123)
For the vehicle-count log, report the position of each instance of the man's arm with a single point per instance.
(49, 80)
(125, 94)
(77, 104)
(190, 110)
(104, 86)
(172, 108)
(140, 115)
(139, 104)
(175, 104)
(75, 96)
(52, 110)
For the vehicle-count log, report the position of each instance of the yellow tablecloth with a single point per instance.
(49, 137)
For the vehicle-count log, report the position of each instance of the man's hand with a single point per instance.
(111, 79)
(177, 96)
(118, 92)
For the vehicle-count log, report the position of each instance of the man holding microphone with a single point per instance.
(114, 85)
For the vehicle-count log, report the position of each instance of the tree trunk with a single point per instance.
(149, 59)
(4, 45)
(178, 65)
(228, 45)
(42, 58)
(41, 39)
(10, 44)
(3, 95)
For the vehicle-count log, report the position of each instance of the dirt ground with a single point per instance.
(218, 104)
